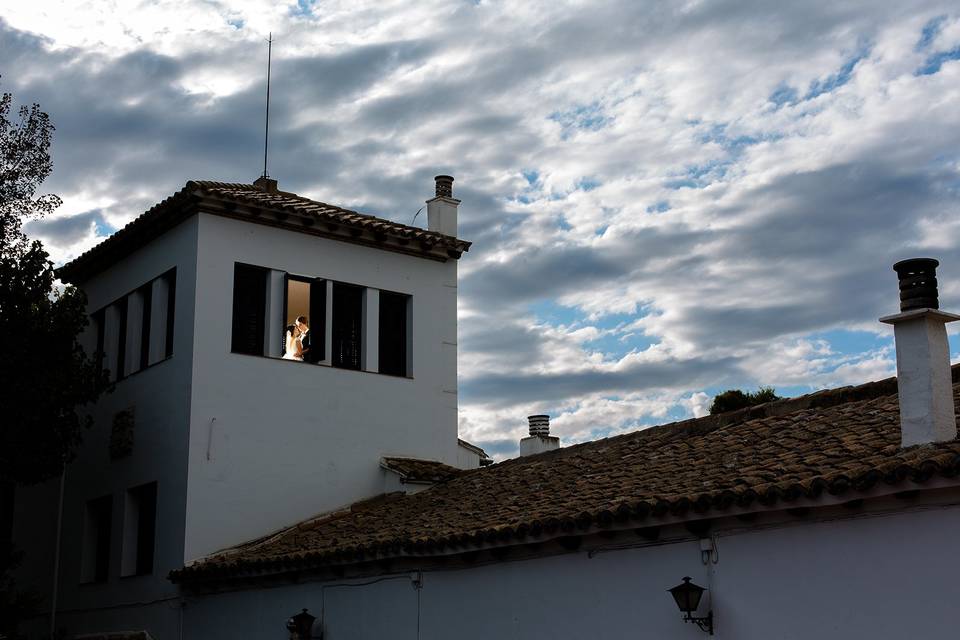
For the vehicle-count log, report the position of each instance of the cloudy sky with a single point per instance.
(666, 199)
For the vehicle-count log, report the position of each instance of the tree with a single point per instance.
(734, 399)
(45, 376)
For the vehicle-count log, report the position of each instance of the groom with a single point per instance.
(306, 337)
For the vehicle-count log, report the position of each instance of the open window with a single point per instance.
(97, 522)
(306, 299)
(394, 334)
(139, 530)
(347, 326)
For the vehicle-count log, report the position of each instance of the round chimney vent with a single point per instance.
(444, 186)
(539, 425)
(918, 283)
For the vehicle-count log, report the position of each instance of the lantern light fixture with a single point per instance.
(687, 596)
(300, 627)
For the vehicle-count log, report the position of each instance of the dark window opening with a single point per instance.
(96, 566)
(249, 309)
(140, 530)
(393, 333)
(122, 337)
(347, 325)
(171, 279)
(146, 295)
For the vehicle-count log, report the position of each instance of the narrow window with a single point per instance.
(96, 540)
(171, 278)
(146, 295)
(393, 333)
(140, 525)
(122, 337)
(100, 321)
(347, 325)
(249, 308)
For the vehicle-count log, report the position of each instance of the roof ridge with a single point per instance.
(822, 399)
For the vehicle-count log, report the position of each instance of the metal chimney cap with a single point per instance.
(444, 185)
(918, 283)
(539, 424)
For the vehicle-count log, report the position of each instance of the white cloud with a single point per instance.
(733, 181)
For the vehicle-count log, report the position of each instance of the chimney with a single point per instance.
(539, 439)
(924, 380)
(266, 184)
(442, 208)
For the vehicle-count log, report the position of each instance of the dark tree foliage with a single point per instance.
(45, 376)
(733, 399)
(24, 164)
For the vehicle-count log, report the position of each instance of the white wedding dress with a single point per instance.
(294, 347)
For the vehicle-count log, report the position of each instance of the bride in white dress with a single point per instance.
(294, 346)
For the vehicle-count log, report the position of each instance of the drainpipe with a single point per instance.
(56, 556)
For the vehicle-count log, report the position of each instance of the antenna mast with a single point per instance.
(266, 128)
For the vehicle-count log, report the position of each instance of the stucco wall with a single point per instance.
(890, 576)
(272, 441)
(160, 398)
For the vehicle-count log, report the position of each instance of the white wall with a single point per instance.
(160, 396)
(288, 440)
(891, 576)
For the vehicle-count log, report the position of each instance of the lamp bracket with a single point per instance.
(705, 623)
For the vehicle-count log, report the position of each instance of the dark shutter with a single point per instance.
(146, 526)
(122, 338)
(171, 278)
(249, 309)
(101, 512)
(318, 321)
(98, 319)
(347, 325)
(146, 292)
(393, 333)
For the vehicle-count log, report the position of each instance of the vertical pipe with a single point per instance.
(56, 556)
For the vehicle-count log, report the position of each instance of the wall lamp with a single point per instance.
(300, 627)
(687, 596)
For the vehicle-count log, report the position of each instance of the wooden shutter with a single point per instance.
(122, 338)
(146, 293)
(171, 278)
(347, 325)
(249, 309)
(393, 333)
(318, 321)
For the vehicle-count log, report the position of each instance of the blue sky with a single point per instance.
(666, 199)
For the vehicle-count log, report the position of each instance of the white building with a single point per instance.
(210, 437)
(281, 486)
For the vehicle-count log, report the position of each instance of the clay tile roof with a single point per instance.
(274, 208)
(416, 470)
(836, 441)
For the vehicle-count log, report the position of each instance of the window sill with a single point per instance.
(321, 364)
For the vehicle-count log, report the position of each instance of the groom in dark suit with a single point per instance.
(306, 339)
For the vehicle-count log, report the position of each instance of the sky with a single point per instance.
(666, 199)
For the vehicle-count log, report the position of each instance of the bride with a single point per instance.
(294, 344)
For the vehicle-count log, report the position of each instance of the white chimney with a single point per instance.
(539, 439)
(924, 381)
(442, 209)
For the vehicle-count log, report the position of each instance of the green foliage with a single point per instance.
(734, 399)
(45, 376)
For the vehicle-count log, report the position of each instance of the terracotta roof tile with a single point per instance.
(251, 203)
(777, 452)
(416, 470)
